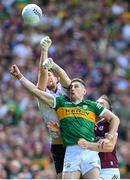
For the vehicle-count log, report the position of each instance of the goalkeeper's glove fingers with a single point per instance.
(48, 64)
(45, 43)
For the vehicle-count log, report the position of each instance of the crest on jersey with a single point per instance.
(85, 106)
(100, 128)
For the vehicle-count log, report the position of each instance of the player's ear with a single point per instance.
(85, 91)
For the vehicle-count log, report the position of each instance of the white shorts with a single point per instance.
(79, 159)
(110, 173)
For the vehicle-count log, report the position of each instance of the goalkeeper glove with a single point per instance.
(45, 43)
(48, 64)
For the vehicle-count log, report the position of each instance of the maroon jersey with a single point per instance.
(108, 159)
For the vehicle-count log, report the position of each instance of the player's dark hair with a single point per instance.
(106, 98)
(78, 80)
(53, 72)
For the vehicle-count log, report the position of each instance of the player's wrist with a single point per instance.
(54, 66)
(44, 50)
(19, 76)
(89, 145)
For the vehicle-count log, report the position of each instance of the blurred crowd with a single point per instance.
(91, 40)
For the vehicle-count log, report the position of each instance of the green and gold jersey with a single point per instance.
(77, 120)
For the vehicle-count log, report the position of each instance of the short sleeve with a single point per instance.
(57, 102)
(99, 109)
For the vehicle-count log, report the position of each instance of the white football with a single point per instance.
(31, 14)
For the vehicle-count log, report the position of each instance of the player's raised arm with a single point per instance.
(64, 78)
(47, 98)
(43, 73)
(114, 122)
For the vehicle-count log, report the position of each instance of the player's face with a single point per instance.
(77, 91)
(52, 81)
(104, 103)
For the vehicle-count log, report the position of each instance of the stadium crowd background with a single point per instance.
(91, 40)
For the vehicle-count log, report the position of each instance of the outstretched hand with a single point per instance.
(53, 126)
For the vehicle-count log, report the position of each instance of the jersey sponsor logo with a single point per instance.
(66, 103)
(75, 112)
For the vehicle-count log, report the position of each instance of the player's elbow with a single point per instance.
(117, 120)
(109, 148)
